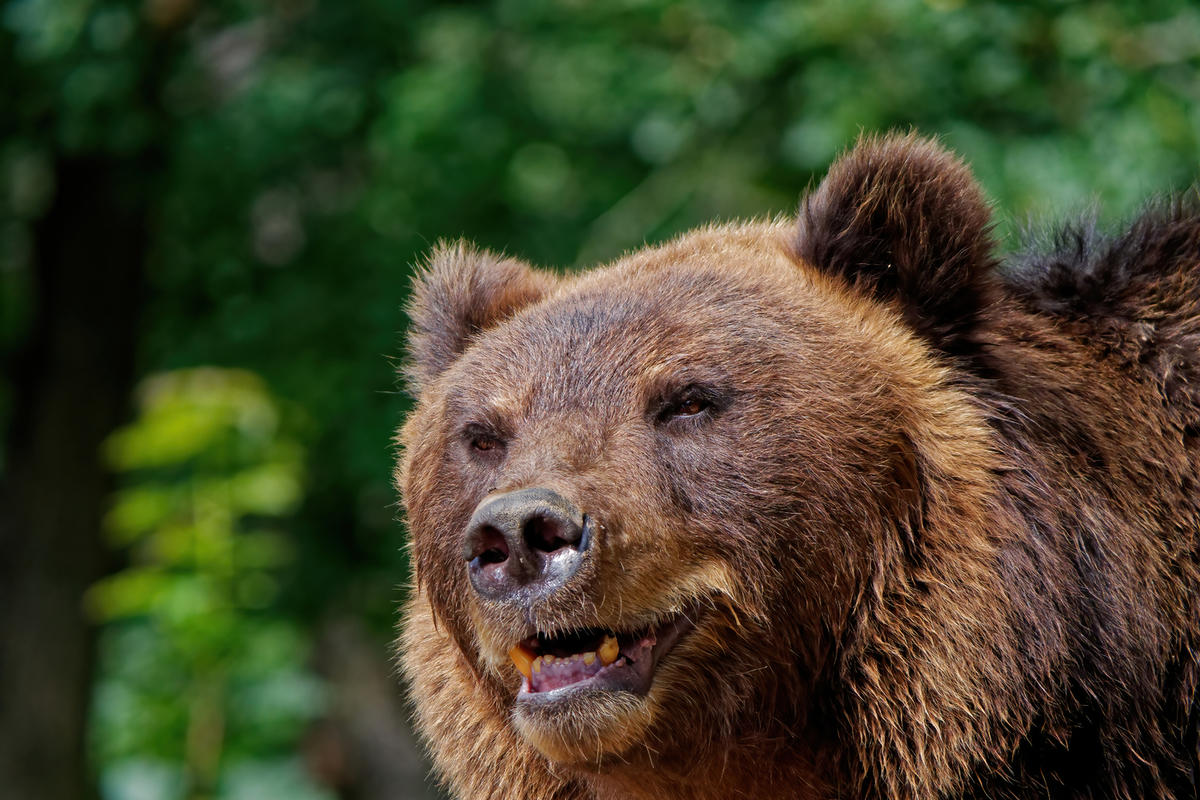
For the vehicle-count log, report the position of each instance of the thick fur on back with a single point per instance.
(1138, 291)
(1089, 365)
(945, 541)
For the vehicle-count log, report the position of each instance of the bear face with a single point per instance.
(658, 413)
(724, 516)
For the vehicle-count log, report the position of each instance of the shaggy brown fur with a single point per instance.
(935, 522)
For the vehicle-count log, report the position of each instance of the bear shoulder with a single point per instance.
(1137, 293)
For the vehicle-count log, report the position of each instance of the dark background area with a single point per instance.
(209, 213)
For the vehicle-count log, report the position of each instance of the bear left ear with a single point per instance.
(459, 294)
(904, 219)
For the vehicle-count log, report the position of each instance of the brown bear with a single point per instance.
(837, 507)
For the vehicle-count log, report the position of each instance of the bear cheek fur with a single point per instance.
(431, 504)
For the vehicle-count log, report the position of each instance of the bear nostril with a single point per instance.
(489, 547)
(494, 556)
(544, 535)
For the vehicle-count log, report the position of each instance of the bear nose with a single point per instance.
(524, 544)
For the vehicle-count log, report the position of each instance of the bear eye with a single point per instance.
(691, 403)
(481, 440)
(689, 407)
(484, 443)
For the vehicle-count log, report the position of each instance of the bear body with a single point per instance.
(836, 507)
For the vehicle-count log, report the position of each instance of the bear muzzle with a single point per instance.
(524, 545)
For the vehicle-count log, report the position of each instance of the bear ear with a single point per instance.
(459, 293)
(903, 219)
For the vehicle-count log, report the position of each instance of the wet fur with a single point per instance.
(981, 582)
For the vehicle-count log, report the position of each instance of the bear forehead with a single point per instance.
(729, 309)
(601, 352)
(680, 308)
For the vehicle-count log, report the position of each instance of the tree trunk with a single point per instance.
(71, 386)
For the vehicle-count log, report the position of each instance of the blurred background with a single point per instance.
(209, 213)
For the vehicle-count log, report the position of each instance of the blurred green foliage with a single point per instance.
(315, 149)
(196, 672)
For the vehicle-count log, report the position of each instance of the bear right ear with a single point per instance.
(903, 219)
(459, 293)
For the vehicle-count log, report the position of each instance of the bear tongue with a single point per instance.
(550, 675)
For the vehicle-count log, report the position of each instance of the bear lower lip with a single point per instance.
(562, 676)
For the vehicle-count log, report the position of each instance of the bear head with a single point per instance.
(655, 506)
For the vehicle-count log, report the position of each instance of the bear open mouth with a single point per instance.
(595, 659)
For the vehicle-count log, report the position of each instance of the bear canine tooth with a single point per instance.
(608, 650)
(522, 658)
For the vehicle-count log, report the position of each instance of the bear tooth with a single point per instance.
(608, 650)
(522, 658)
(549, 659)
(537, 664)
(589, 658)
